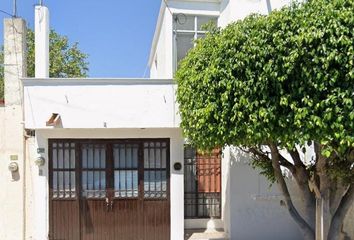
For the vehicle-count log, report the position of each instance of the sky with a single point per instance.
(116, 34)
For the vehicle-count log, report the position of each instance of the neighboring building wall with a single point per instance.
(37, 202)
(12, 144)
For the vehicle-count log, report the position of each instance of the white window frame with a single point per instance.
(195, 32)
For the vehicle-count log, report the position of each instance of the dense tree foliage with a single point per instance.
(282, 82)
(66, 60)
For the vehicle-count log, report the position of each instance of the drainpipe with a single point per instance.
(41, 35)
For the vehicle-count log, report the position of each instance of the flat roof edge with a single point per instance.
(95, 81)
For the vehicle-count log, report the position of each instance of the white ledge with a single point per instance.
(94, 81)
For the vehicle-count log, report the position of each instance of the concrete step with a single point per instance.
(202, 234)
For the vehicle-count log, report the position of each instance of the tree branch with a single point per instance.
(283, 161)
(296, 158)
(302, 179)
(340, 213)
(304, 226)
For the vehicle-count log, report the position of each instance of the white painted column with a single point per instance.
(41, 31)
(12, 213)
(177, 189)
(225, 189)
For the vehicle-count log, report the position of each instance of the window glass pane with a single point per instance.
(72, 157)
(55, 184)
(94, 184)
(60, 184)
(152, 159)
(73, 182)
(128, 153)
(184, 22)
(163, 157)
(135, 156)
(66, 156)
(201, 35)
(202, 20)
(93, 156)
(122, 156)
(60, 158)
(155, 184)
(125, 156)
(126, 183)
(90, 156)
(55, 158)
(184, 43)
(158, 162)
(84, 156)
(146, 157)
(97, 158)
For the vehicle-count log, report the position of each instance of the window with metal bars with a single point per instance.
(155, 170)
(109, 168)
(63, 175)
(202, 183)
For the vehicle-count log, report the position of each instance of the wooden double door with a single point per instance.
(109, 189)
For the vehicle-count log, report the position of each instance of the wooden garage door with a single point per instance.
(109, 189)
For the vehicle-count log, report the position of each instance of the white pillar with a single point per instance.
(41, 31)
(12, 211)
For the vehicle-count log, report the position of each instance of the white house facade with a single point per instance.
(92, 159)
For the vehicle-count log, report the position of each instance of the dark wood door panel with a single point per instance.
(156, 220)
(127, 219)
(109, 189)
(65, 220)
(95, 221)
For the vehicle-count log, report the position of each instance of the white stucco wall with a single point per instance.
(2, 125)
(37, 203)
(162, 64)
(162, 55)
(12, 214)
(100, 103)
(233, 10)
(255, 210)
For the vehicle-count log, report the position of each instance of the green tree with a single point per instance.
(276, 84)
(66, 60)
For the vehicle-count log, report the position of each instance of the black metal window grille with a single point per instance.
(155, 169)
(93, 170)
(63, 164)
(201, 172)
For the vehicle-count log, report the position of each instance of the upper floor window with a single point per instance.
(187, 29)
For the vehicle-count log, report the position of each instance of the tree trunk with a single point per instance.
(307, 197)
(342, 210)
(306, 229)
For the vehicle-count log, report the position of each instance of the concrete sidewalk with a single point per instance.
(201, 234)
